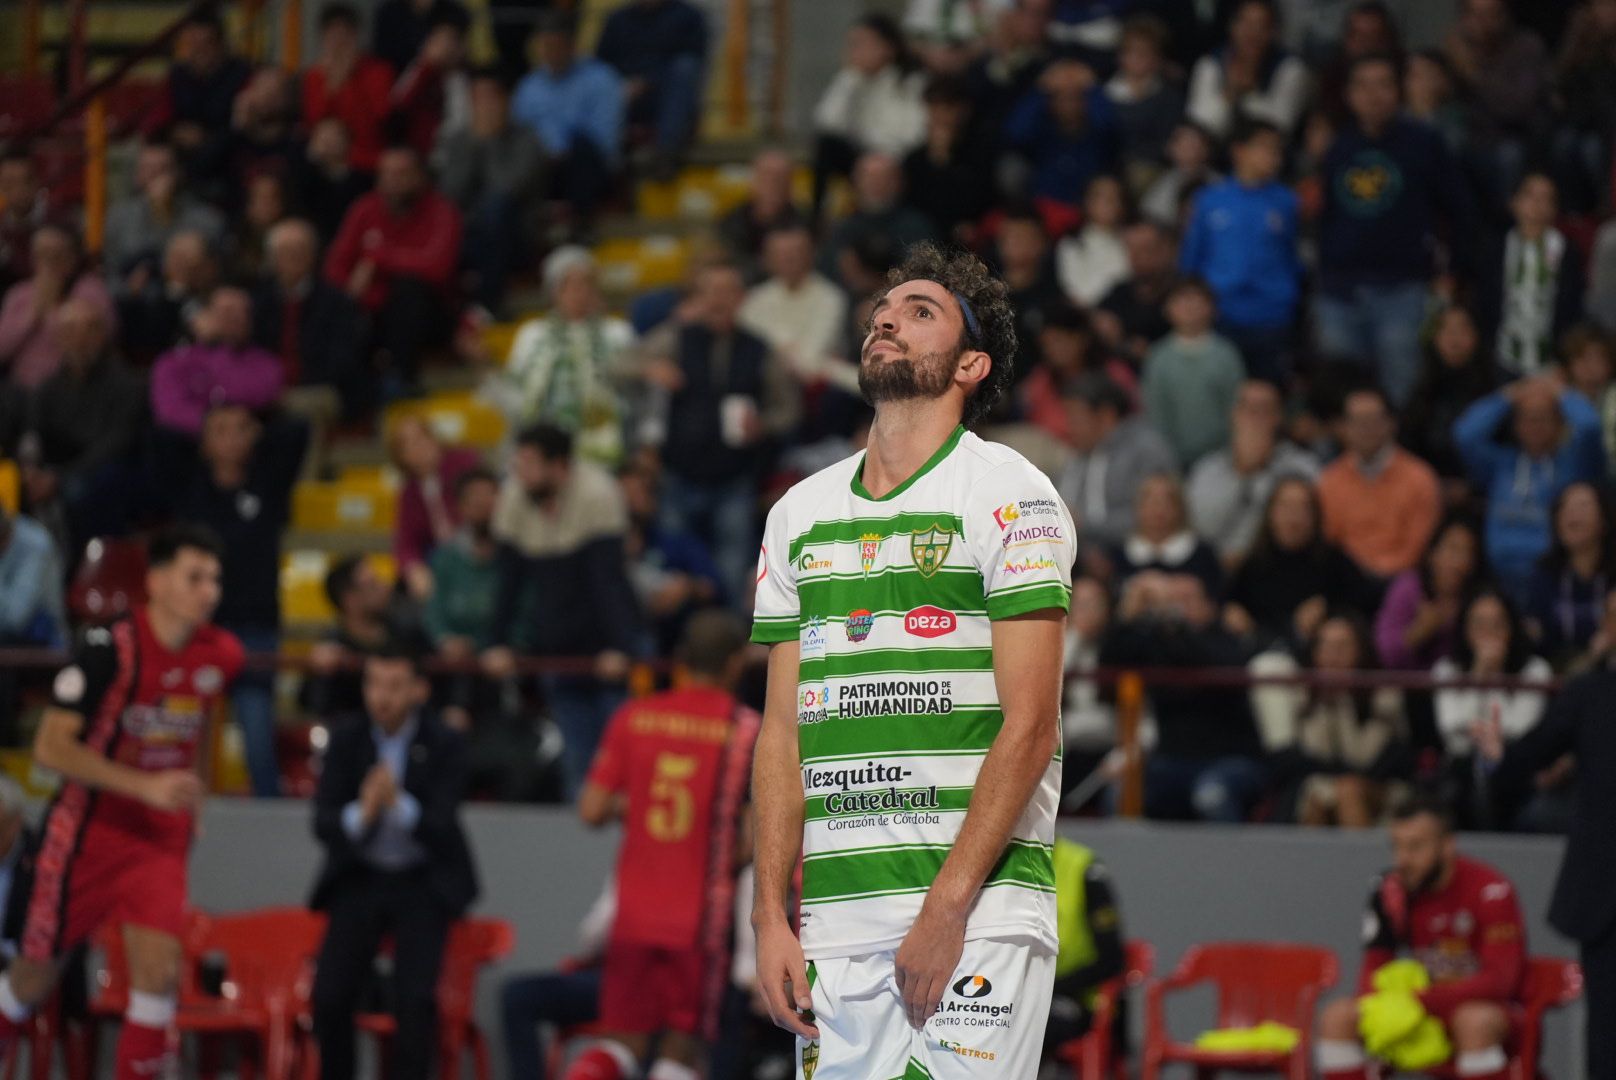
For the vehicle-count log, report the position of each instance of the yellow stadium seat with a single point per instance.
(342, 506)
(497, 340)
(459, 418)
(10, 485)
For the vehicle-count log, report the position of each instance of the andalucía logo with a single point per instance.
(859, 624)
(869, 548)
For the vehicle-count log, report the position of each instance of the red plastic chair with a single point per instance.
(46, 1033)
(1092, 1057)
(1256, 982)
(109, 581)
(472, 945)
(1551, 983)
(269, 973)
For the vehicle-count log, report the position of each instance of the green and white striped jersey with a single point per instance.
(891, 602)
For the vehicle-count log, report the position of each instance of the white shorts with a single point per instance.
(990, 1023)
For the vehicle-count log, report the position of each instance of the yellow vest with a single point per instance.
(1071, 920)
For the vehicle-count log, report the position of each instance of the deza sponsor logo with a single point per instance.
(930, 621)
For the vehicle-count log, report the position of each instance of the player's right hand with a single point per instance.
(783, 979)
(172, 789)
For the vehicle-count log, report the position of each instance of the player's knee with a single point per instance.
(1339, 1020)
(1478, 1025)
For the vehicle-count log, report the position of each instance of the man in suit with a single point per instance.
(397, 863)
(316, 329)
(1578, 723)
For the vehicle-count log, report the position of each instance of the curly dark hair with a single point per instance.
(963, 274)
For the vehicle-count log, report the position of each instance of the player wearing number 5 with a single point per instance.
(397, 863)
(674, 767)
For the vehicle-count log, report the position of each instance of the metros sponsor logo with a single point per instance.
(809, 561)
(930, 621)
(1009, 513)
(965, 1051)
(813, 704)
(1032, 534)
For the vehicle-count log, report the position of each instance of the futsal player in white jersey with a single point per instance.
(914, 597)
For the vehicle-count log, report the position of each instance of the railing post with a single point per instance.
(1130, 708)
(78, 38)
(737, 34)
(32, 17)
(95, 172)
(292, 35)
(776, 120)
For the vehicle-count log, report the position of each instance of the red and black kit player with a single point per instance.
(675, 767)
(1461, 919)
(126, 731)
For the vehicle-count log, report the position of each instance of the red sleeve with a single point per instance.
(343, 256)
(1499, 941)
(315, 106)
(234, 653)
(412, 529)
(434, 254)
(610, 767)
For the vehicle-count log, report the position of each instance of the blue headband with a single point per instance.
(969, 316)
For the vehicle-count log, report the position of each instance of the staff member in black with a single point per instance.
(1578, 722)
(397, 863)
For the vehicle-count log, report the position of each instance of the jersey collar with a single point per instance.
(931, 463)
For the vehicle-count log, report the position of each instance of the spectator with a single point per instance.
(458, 615)
(673, 573)
(241, 488)
(140, 226)
(1533, 289)
(368, 621)
(728, 397)
(1015, 52)
(659, 48)
(1342, 754)
(32, 611)
(1367, 28)
(769, 205)
(327, 184)
(872, 105)
(401, 27)
(161, 315)
(560, 523)
(1418, 623)
(1281, 593)
(878, 207)
(1067, 348)
(1189, 168)
(1251, 77)
(24, 207)
(396, 254)
(1147, 102)
(224, 367)
(1431, 96)
(1556, 443)
(1093, 260)
(1504, 68)
(397, 863)
(267, 204)
(198, 97)
(1088, 720)
(266, 127)
(1162, 541)
(1590, 369)
(493, 170)
(431, 100)
(1065, 129)
(575, 106)
(1380, 502)
(1229, 489)
(1388, 182)
(1492, 644)
(1115, 452)
(84, 423)
(1207, 763)
(1566, 599)
(1585, 91)
(1134, 313)
(1191, 376)
(798, 311)
(348, 85)
(564, 367)
(1454, 373)
(1601, 650)
(316, 329)
(428, 512)
(944, 176)
(1091, 952)
(1028, 271)
(29, 353)
(1242, 240)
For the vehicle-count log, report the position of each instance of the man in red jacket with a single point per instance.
(1462, 921)
(396, 254)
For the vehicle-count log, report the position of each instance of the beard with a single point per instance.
(904, 378)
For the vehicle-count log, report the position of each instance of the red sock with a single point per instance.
(143, 1052)
(596, 1063)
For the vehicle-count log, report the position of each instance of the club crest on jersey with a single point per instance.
(810, 1060)
(869, 548)
(929, 548)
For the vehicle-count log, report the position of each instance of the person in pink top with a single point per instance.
(29, 352)
(222, 367)
(427, 512)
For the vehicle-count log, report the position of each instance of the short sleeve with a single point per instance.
(80, 686)
(609, 770)
(1020, 534)
(776, 614)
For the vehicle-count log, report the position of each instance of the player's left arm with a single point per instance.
(1499, 941)
(602, 799)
